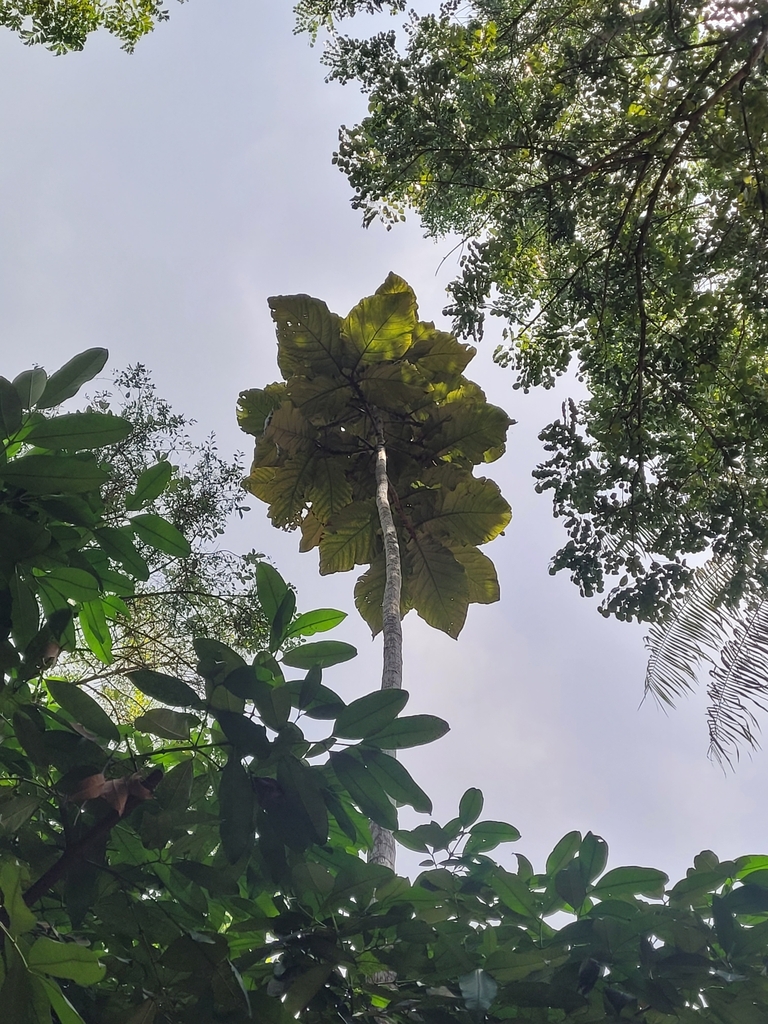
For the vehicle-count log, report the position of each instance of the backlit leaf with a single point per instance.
(318, 621)
(65, 960)
(160, 534)
(150, 485)
(54, 474)
(67, 381)
(83, 708)
(79, 430)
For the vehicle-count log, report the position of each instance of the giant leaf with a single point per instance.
(438, 586)
(79, 430)
(308, 336)
(352, 538)
(480, 574)
(473, 512)
(380, 327)
(330, 491)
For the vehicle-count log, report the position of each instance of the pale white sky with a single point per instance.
(151, 203)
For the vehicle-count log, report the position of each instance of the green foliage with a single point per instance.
(59, 555)
(606, 166)
(316, 442)
(181, 494)
(63, 25)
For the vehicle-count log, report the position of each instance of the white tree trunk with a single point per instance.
(383, 851)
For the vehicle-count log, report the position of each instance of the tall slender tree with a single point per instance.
(368, 445)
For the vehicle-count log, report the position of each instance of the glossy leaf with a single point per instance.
(67, 381)
(470, 807)
(630, 881)
(160, 534)
(171, 725)
(150, 485)
(83, 708)
(365, 790)
(487, 835)
(410, 731)
(65, 960)
(78, 431)
(29, 385)
(167, 689)
(368, 714)
(53, 474)
(323, 653)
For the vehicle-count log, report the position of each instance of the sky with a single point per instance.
(150, 203)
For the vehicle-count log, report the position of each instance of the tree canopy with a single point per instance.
(316, 443)
(605, 166)
(64, 25)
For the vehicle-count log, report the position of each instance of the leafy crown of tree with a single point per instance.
(317, 438)
(64, 25)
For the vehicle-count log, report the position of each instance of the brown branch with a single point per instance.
(76, 851)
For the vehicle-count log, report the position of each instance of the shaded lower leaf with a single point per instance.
(236, 807)
(365, 790)
(83, 708)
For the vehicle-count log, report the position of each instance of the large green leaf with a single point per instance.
(11, 408)
(480, 573)
(320, 398)
(323, 653)
(167, 689)
(66, 382)
(513, 892)
(290, 430)
(255, 405)
(308, 337)
(79, 430)
(630, 881)
(236, 804)
(352, 538)
(61, 1006)
(487, 835)
(410, 731)
(369, 594)
(396, 780)
(318, 621)
(150, 485)
(83, 708)
(160, 534)
(54, 474)
(65, 960)
(472, 512)
(380, 327)
(30, 385)
(478, 990)
(330, 490)
(438, 586)
(170, 725)
(96, 632)
(368, 714)
(470, 807)
(249, 737)
(438, 355)
(271, 589)
(364, 788)
(67, 584)
(117, 542)
(20, 538)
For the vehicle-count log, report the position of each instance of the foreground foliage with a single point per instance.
(199, 859)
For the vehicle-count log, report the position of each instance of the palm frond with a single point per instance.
(697, 628)
(738, 685)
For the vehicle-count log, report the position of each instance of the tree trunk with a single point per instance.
(383, 851)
